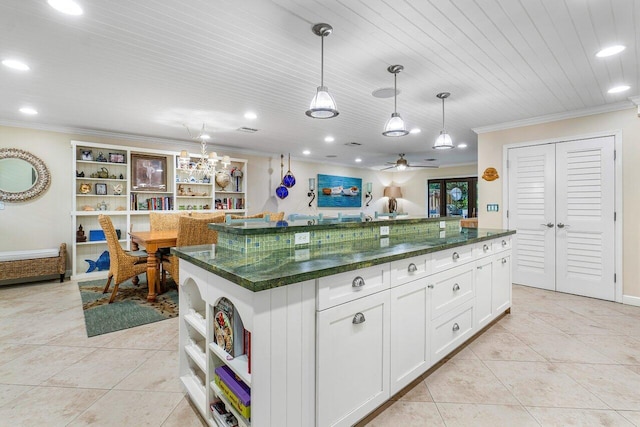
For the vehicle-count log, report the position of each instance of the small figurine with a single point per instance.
(102, 263)
(117, 189)
(85, 188)
(80, 236)
(101, 157)
(121, 176)
(80, 175)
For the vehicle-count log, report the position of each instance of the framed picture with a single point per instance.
(149, 173)
(339, 191)
(116, 157)
(101, 189)
(86, 155)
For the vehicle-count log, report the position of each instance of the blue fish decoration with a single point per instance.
(102, 263)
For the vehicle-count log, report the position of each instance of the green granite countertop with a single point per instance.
(260, 227)
(270, 269)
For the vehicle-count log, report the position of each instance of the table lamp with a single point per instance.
(392, 193)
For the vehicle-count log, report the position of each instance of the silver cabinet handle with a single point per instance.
(430, 286)
(412, 268)
(504, 260)
(485, 248)
(358, 282)
(358, 318)
(504, 243)
(456, 327)
(549, 225)
(479, 267)
(455, 256)
(456, 287)
(561, 225)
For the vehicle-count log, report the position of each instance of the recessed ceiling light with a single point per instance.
(306, 152)
(463, 145)
(415, 130)
(15, 64)
(611, 50)
(205, 136)
(250, 115)
(618, 89)
(358, 159)
(28, 110)
(68, 7)
(329, 139)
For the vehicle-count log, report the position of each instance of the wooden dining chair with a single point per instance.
(191, 231)
(123, 265)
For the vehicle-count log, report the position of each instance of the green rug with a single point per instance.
(129, 309)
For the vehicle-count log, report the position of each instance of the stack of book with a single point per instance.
(234, 389)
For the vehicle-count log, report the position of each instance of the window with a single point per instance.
(452, 197)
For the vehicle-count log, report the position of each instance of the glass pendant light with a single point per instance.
(395, 125)
(443, 141)
(323, 106)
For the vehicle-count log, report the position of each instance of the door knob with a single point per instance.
(549, 225)
(560, 225)
(456, 287)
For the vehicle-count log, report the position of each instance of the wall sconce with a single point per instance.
(392, 193)
(311, 193)
(368, 197)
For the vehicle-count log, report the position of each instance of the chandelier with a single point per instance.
(205, 167)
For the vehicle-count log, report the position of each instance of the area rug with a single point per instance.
(129, 309)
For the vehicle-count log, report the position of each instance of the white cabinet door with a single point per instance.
(353, 360)
(501, 291)
(410, 354)
(483, 276)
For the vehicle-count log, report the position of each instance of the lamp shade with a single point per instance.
(395, 126)
(393, 192)
(369, 187)
(323, 106)
(443, 141)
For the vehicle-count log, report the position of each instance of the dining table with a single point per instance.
(152, 241)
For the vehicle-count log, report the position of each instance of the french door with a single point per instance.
(561, 203)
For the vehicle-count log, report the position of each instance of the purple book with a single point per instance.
(235, 384)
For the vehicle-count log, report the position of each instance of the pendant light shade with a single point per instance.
(395, 125)
(322, 106)
(443, 142)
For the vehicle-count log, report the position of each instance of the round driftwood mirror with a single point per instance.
(23, 176)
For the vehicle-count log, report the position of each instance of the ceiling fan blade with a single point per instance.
(390, 163)
(390, 167)
(424, 166)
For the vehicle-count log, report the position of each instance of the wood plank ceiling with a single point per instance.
(145, 67)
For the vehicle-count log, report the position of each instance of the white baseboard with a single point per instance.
(628, 299)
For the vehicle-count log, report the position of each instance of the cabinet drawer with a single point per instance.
(501, 244)
(406, 270)
(451, 330)
(483, 249)
(449, 258)
(351, 285)
(450, 289)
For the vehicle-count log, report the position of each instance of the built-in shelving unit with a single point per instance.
(104, 183)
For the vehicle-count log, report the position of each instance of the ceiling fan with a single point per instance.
(402, 163)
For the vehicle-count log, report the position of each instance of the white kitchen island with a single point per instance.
(337, 329)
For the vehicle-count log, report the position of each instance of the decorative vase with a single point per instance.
(222, 179)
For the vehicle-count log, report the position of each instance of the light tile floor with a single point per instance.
(556, 360)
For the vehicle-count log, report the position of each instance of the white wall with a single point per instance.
(45, 222)
(490, 148)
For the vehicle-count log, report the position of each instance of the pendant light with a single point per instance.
(323, 106)
(395, 125)
(443, 141)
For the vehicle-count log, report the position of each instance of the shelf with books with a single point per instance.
(239, 365)
(242, 421)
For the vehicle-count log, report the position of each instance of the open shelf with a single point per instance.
(196, 392)
(242, 421)
(239, 365)
(198, 324)
(197, 356)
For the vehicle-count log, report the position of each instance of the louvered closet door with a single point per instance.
(531, 208)
(584, 217)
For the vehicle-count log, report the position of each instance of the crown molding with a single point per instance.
(600, 109)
